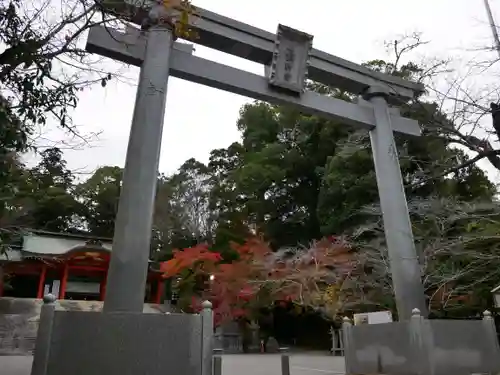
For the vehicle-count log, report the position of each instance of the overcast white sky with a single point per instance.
(199, 119)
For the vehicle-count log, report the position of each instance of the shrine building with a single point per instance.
(71, 267)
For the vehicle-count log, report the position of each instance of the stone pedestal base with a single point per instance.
(83, 343)
(422, 346)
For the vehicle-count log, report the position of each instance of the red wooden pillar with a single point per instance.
(159, 290)
(102, 287)
(2, 277)
(64, 281)
(41, 281)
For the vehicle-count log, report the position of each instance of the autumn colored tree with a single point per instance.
(313, 277)
(458, 247)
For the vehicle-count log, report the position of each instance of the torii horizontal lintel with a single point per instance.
(129, 48)
(254, 44)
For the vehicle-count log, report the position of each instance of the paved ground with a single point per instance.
(268, 364)
(11, 365)
(247, 364)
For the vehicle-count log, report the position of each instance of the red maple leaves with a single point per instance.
(258, 277)
(195, 258)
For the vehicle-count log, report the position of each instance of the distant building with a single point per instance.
(71, 267)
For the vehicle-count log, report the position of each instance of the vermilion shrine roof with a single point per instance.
(60, 247)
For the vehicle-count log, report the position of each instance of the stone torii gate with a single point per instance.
(289, 59)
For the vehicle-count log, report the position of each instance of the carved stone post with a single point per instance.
(218, 361)
(348, 343)
(42, 348)
(285, 361)
(254, 346)
(207, 337)
(420, 343)
(492, 338)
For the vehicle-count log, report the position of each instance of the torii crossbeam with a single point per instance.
(239, 39)
(158, 56)
(130, 48)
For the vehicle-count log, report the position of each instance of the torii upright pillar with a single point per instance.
(405, 267)
(125, 287)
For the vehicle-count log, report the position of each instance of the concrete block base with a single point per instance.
(84, 343)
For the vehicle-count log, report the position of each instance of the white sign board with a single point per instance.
(56, 285)
(83, 287)
(378, 317)
(290, 59)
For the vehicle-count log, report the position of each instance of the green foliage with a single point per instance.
(299, 177)
(38, 41)
(13, 140)
(42, 70)
(282, 167)
(225, 199)
(99, 195)
(45, 197)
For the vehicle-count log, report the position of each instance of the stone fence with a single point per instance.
(126, 343)
(422, 346)
(19, 319)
